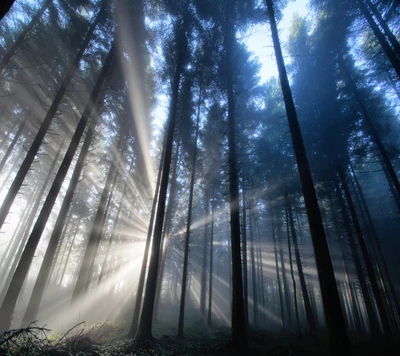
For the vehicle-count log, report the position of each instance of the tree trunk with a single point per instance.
(187, 235)
(211, 260)
(335, 322)
(244, 260)
(204, 264)
(239, 323)
(146, 318)
(26, 164)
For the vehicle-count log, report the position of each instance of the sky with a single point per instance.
(259, 40)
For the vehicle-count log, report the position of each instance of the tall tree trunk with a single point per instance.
(188, 225)
(146, 318)
(244, 259)
(239, 323)
(26, 164)
(335, 322)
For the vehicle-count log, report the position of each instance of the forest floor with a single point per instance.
(109, 338)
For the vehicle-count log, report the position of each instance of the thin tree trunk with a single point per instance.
(335, 322)
(188, 225)
(296, 307)
(211, 260)
(204, 264)
(244, 260)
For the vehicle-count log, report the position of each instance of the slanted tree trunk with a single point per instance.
(188, 225)
(334, 318)
(30, 156)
